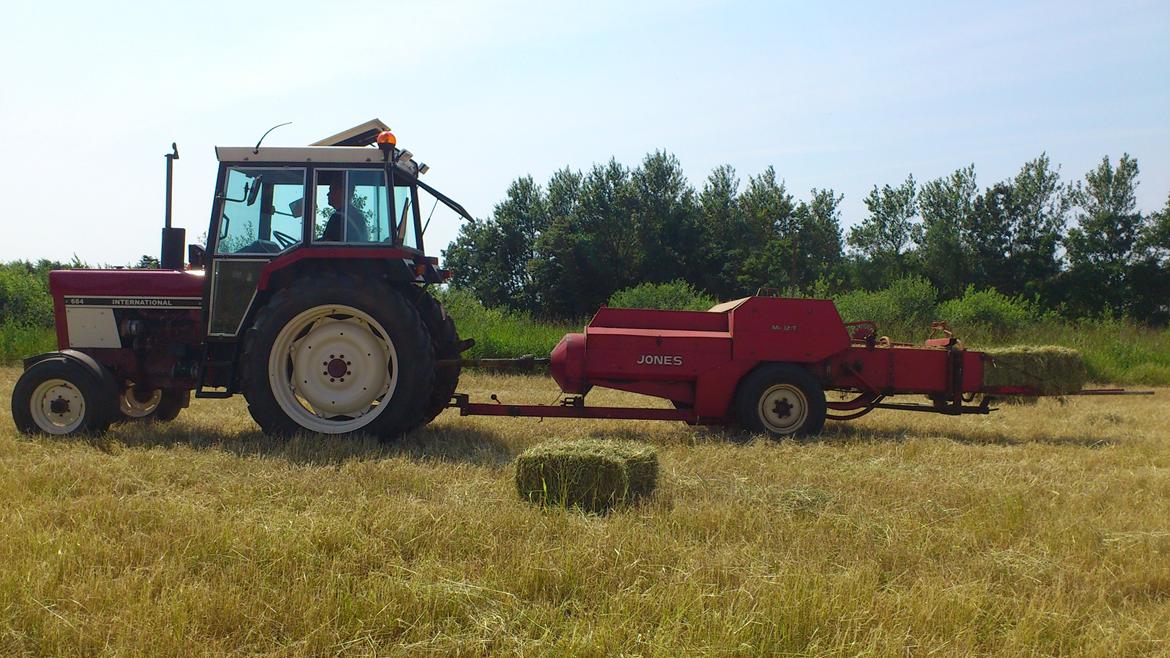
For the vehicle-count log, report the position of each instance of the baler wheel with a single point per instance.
(60, 396)
(781, 400)
(335, 356)
(161, 405)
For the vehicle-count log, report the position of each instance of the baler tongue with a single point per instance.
(526, 363)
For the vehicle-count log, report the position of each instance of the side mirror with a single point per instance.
(195, 255)
(254, 191)
(296, 208)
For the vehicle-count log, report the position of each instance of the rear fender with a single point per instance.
(395, 264)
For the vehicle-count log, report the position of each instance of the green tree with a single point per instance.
(988, 234)
(885, 239)
(1155, 237)
(817, 248)
(493, 258)
(555, 260)
(1014, 229)
(1101, 248)
(945, 205)
(725, 233)
(663, 220)
(1149, 276)
(771, 231)
(1041, 204)
(147, 262)
(587, 254)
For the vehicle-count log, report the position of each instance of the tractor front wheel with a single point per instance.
(781, 400)
(61, 396)
(335, 356)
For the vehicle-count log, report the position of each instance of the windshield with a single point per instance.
(261, 212)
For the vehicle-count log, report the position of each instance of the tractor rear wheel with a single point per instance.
(137, 403)
(335, 356)
(781, 400)
(445, 339)
(61, 396)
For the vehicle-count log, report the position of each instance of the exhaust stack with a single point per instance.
(173, 239)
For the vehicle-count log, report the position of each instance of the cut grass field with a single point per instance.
(1038, 530)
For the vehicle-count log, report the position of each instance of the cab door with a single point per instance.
(259, 216)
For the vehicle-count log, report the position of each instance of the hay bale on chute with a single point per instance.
(1049, 369)
(592, 474)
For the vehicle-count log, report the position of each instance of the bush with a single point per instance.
(498, 333)
(592, 474)
(18, 341)
(673, 296)
(987, 311)
(24, 297)
(907, 306)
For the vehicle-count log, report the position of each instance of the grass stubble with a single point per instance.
(1035, 530)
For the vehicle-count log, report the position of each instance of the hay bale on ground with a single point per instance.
(592, 474)
(1049, 369)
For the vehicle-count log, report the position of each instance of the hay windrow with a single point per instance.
(1049, 369)
(592, 474)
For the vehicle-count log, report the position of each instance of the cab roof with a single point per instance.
(350, 146)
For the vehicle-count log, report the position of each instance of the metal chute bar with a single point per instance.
(860, 406)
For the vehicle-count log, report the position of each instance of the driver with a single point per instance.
(344, 214)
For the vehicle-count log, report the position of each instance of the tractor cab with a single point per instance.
(349, 203)
(279, 212)
(338, 192)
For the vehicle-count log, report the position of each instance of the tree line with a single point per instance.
(561, 249)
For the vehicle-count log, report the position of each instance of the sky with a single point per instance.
(840, 95)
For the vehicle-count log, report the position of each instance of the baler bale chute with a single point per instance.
(765, 364)
(1048, 369)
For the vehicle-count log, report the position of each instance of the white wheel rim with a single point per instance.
(783, 408)
(57, 406)
(333, 369)
(133, 407)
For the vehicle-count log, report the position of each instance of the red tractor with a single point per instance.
(310, 299)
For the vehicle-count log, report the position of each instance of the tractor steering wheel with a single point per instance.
(284, 239)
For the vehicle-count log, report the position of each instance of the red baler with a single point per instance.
(764, 362)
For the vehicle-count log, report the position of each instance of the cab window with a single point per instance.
(351, 206)
(404, 215)
(261, 211)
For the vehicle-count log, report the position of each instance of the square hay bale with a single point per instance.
(592, 474)
(1049, 369)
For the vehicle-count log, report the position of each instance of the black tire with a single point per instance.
(405, 333)
(445, 340)
(89, 397)
(796, 398)
(170, 404)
